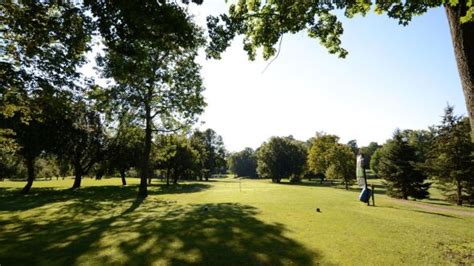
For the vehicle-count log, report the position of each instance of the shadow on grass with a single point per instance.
(152, 232)
(11, 200)
(436, 213)
(443, 202)
(421, 211)
(379, 189)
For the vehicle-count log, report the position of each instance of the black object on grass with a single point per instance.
(318, 210)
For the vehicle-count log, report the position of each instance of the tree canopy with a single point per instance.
(332, 159)
(243, 163)
(451, 157)
(281, 157)
(150, 54)
(264, 23)
(398, 167)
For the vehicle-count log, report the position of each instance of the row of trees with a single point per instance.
(409, 162)
(413, 159)
(48, 106)
(284, 157)
(173, 156)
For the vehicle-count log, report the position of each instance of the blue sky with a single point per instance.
(393, 77)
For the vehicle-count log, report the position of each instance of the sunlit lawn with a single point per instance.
(223, 222)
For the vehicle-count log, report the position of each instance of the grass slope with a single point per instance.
(216, 223)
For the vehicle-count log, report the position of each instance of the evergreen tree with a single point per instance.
(398, 166)
(451, 159)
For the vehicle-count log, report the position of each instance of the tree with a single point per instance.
(177, 157)
(281, 157)
(42, 46)
(125, 148)
(318, 161)
(420, 140)
(342, 164)
(46, 167)
(150, 54)
(9, 161)
(367, 152)
(333, 160)
(36, 132)
(30, 139)
(211, 151)
(375, 161)
(353, 145)
(451, 159)
(244, 163)
(398, 167)
(83, 140)
(263, 24)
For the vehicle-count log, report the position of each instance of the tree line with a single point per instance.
(192, 155)
(409, 163)
(50, 109)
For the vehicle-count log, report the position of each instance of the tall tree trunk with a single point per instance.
(122, 175)
(462, 36)
(143, 190)
(30, 166)
(459, 192)
(77, 177)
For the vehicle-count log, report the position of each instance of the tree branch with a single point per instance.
(276, 56)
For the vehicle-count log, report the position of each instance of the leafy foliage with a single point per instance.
(367, 152)
(211, 150)
(126, 147)
(264, 22)
(42, 46)
(243, 163)
(281, 157)
(342, 164)
(353, 145)
(177, 158)
(150, 54)
(47, 167)
(332, 159)
(320, 147)
(421, 141)
(375, 161)
(83, 141)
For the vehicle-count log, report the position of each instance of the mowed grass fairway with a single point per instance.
(216, 223)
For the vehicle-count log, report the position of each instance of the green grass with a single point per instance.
(217, 223)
